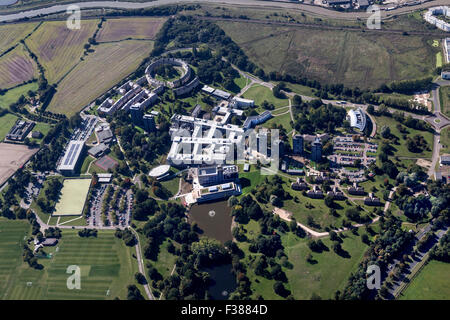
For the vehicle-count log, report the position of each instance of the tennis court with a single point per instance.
(106, 163)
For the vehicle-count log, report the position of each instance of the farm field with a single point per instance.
(13, 95)
(364, 59)
(106, 270)
(12, 233)
(13, 157)
(10, 34)
(129, 28)
(444, 95)
(432, 283)
(74, 193)
(58, 48)
(6, 123)
(16, 67)
(259, 93)
(100, 71)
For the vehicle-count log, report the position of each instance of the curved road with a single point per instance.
(249, 3)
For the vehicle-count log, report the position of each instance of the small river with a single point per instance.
(213, 218)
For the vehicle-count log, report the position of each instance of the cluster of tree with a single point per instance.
(30, 258)
(144, 205)
(271, 190)
(267, 245)
(246, 209)
(134, 293)
(441, 251)
(409, 86)
(16, 186)
(416, 144)
(313, 116)
(390, 242)
(53, 232)
(128, 237)
(138, 145)
(414, 208)
(86, 233)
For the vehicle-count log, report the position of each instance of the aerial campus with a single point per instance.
(224, 150)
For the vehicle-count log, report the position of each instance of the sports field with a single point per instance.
(12, 233)
(74, 193)
(432, 283)
(107, 268)
(335, 56)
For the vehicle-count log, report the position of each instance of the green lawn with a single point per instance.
(172, 185)
(73, 197)
(445, 140)
(284, 120)
(106, 265)
(6, 123)
(13, 95)
(259, 93)
(444, 95)
(401, 150)
(432, 283)
(329, 272)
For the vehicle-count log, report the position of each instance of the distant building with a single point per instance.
(149, 123)
(356, 190)
(299, 185)
(104, 177)
(71, 157)
(371, 200)
(316, 150)
(216, 192)
(336, 194)
(444, 160)
(246, 167)
(104, 136)
(36, 135)
(20, 130)
(297, 144)
(196, 112)
(339, 2)
(241, 103)
(216, 174)
(363, 4)
(136, 113)
(98, 150)
(430, 17)
(357, 119)
(253, 121)
(315, 193)
(49, 242)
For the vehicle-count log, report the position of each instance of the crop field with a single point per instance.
(126, 28)
(106, 270)
(100, 71)
(74, 193)
(59, 48)
(12, 233)
(10, 34)
(335, 56)
(6, 123)
(16, 67)
(432, 283)
(14, 156)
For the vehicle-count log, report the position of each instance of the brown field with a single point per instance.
(101, 70)
(10, 34)
(59, 48)
(334, 56)
(125, 28)
(16, 67)
(13, 157)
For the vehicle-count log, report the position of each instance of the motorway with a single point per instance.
(316, 10)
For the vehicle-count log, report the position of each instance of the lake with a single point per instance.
(213, 218)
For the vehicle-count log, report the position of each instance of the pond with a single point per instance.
(7, 2)
(213, 218)
(224, 281)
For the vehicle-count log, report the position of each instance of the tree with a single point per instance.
(329, 202)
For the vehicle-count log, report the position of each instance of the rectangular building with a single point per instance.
(71, 157)
(297, 144)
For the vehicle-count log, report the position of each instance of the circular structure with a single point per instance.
(173, 62)
(224, 293)
(212, 213)
(159, 171)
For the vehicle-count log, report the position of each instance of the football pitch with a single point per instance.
(106, 265)
(73, 197)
